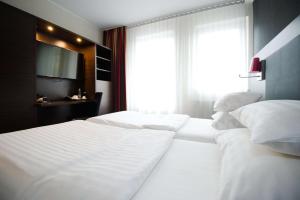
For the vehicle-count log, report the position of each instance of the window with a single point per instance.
(153, 87)
(183, 64)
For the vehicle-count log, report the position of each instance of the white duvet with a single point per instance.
(188, 171)
(254, 172)
(138, 120)
(78, 160)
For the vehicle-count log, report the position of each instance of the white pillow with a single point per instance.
(275, 123)
(223, 121)
(236, 100)
(254, 172)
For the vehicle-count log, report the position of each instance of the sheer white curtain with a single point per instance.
(182, 65)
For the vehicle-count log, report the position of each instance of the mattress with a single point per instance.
(189, 170)
(196, 129)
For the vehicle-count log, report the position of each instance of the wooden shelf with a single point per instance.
(103, 75)
(103, 58)
(103, 63)
(103, 70)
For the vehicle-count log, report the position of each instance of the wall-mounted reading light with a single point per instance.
(79, 40)
(258, 67)
(50, 28)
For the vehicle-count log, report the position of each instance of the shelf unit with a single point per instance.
(103, 63)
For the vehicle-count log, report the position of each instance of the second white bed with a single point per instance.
(185, 127)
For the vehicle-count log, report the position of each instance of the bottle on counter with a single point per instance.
(79, 93)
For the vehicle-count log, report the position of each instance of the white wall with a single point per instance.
(60, 16)
(100, 36)
(106, 102)
(106, 88)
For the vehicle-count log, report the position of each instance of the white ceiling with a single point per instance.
(112, 13)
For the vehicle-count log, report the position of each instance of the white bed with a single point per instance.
(186, 128)
(84, 160)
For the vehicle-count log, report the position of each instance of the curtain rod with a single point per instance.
(223, 4)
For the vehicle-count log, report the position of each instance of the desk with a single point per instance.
(53, 112)
(63, 103)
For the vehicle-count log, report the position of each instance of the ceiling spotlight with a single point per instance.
(79, 40)
(50, 28)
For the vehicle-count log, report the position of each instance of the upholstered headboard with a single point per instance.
(283, 72)
(282, 55)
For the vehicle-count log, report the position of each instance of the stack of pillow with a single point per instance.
(273, 123)
(222, 119)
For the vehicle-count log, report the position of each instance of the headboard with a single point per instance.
(283, 72)
(282, 55)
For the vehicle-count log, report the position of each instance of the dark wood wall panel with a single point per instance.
(17, 69)
(53, 40)
(270, 17)
(19, 83)
(89, 75)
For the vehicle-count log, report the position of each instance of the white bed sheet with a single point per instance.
(196, 129)
(78, 160)
(188, 171)
(252, 172)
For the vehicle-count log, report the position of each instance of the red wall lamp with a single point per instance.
(258, 67)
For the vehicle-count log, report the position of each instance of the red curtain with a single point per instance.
(116, 40)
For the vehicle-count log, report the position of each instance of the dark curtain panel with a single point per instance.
(116, 40)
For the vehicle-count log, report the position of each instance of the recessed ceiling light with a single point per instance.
(50, 28)
(79, 40)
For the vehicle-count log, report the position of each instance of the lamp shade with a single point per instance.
(255, 66)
